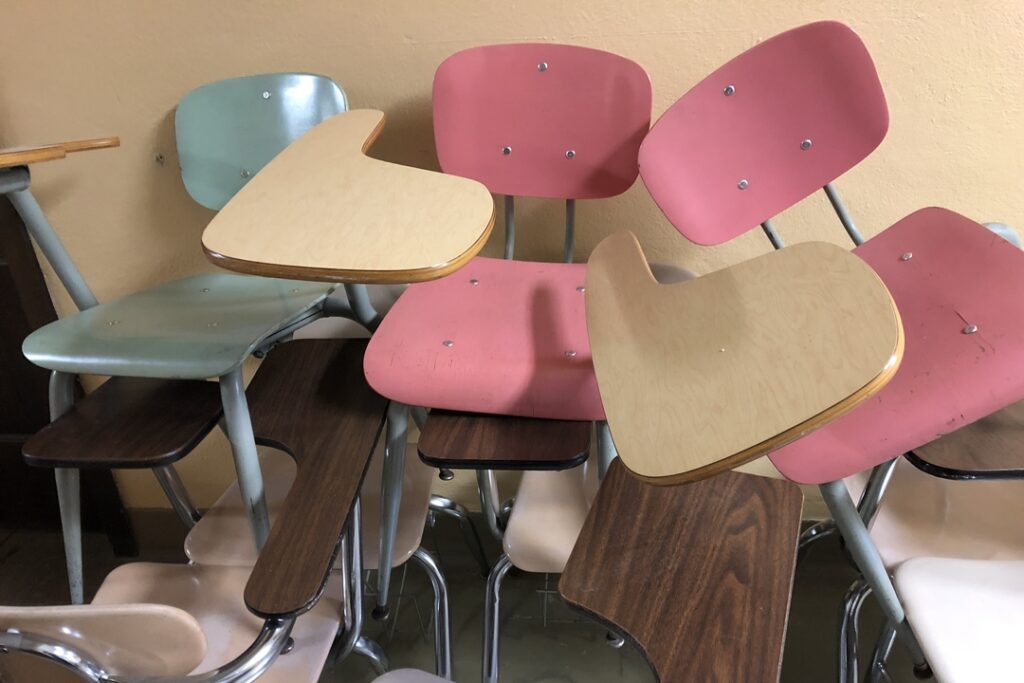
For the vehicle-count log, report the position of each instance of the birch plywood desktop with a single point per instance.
(323, 210)
(23, 156)
(736, 363)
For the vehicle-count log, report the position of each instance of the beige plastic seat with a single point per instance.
(967, 614)
(408, 676)
(220, 537)
(213, 597)
(547, 517)
(925, 516)
(172, 620)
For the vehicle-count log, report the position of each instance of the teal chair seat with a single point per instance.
(195, 328)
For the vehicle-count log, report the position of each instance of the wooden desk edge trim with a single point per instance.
(348, 275)
(504, 465)
(793, 433)
(90, 144)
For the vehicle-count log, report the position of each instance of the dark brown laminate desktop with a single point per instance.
(458, 440)
(991, 448)
(129, 423)
(311, 398)
(698, 576)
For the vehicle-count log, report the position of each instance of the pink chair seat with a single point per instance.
(501, 337)
(945, 273)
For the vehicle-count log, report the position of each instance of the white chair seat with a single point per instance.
(408, 676)
(547, 517)
(213, 596)
(223, 536)
(967, 614)
(925, 516)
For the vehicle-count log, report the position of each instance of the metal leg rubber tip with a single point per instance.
(923, 672)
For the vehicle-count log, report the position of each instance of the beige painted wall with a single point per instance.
(952, 72)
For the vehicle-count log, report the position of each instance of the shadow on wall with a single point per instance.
(172, 219)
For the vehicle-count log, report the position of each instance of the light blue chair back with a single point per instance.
(227, 131)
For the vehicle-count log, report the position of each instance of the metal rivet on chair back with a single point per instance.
(228, 130)
(542, 120)
(766, 130)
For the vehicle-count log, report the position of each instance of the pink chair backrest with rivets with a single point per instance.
(542, 120)
(771, 127)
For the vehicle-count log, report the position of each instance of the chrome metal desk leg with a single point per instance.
(492, 619)
(605, 448)
(390, 499)
(243, 449)
(442, 621)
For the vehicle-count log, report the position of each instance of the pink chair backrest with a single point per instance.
(542, 120)
(764, 131)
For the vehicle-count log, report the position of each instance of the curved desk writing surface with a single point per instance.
(705, 375)
(697, 576)
(323, 210)
(23, 156)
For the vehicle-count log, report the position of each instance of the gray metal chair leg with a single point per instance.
(849, 635)
(62, 397)
(243, 449)
(492, 618)
(69, 500)
(169, 480)
(449, 507)
(390, 499)
(869, 562)
(442, 622)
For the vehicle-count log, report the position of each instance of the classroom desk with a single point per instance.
(322, 210)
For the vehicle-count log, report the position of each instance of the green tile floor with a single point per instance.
(542, 640)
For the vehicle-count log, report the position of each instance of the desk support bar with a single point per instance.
(359, 300)
(49, 243)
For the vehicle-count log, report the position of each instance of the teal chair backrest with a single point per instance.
(227, 131)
